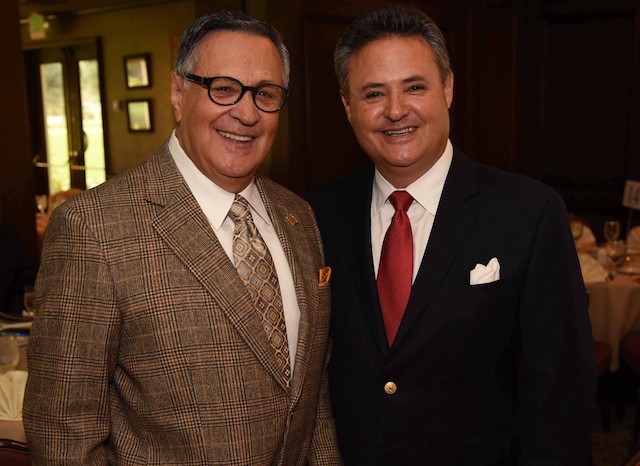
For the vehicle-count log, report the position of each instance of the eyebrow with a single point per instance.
(409, 80)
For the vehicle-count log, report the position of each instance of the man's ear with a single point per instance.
(448, 89)
(347, 107)
(177, 94)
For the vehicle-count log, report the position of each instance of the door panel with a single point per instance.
(66, 104)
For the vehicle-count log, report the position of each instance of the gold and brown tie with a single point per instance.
(256, 268)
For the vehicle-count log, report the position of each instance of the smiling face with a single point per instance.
(228, 144)
(398, 106)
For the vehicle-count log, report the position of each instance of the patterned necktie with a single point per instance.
(395, 272)
(256, 269)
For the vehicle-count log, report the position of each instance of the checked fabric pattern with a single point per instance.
(256, 268)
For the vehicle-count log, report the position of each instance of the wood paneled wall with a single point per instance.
(548, 88)
(544, 88)
(17, 186)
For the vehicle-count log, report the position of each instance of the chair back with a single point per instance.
(633, 237)
(14, 453)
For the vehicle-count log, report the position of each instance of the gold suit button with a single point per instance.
(390, 388)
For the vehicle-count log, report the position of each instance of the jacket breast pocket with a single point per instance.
(484, 292)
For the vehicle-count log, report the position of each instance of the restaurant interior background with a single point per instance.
(548, 88)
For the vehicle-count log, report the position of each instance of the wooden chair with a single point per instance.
(14, 453)
(633, 237)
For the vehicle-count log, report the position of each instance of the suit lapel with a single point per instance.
(292, 235)
(184, 228)
(457, 211)
(356, 212)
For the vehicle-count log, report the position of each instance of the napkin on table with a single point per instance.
(12, 384)
(592, 270)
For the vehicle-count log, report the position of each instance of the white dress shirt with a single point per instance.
(215, 202)
(426, 192)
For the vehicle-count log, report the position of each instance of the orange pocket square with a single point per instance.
(324, 275)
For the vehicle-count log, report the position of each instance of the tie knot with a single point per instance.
(239, 208)
(401, 200)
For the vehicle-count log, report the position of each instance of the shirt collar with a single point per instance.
(214, 201)
(426, 190)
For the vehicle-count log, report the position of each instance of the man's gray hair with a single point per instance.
(187, 60)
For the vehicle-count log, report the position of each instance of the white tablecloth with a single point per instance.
(14, 430)
(614, 309)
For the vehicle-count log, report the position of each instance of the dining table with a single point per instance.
(14, 429)
(614, 302)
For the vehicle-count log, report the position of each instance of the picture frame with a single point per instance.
(139, 116)
(137, 71)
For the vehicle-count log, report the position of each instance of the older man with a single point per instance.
(184, 306)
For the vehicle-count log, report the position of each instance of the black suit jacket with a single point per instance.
(500, 373)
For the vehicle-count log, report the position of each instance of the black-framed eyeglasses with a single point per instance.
(227, 91)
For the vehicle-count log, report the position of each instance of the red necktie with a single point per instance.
(395, 272)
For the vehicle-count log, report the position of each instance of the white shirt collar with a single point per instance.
(214, 201)
(426, 190)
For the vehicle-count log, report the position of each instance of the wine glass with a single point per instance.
(9, 352)
(41, 202)
(611, 230)
(29, 301)
(616, 253)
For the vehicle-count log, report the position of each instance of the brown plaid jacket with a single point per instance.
(147, 350)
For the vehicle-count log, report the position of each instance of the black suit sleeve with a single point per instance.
(558, 379)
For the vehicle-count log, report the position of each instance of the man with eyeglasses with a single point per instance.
(184, 305)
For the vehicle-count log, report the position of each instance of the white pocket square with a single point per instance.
(485, 273)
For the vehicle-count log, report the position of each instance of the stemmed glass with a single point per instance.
(9, 352)
(29, 301)
(616, 253)
(611, 230)
(41, 202)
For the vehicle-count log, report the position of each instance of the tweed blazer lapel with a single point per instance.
(184, 228)
(292, 238)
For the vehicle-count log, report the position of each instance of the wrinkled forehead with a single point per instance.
(249, 58)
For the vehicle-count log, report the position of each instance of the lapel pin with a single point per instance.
(292, 219)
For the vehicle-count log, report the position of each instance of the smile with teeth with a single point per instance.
(235, 137)
(399, 132)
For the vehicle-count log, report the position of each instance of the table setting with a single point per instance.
(611, 273)
(13, 379)
(14, 336)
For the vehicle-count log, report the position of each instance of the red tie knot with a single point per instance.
(401, 200)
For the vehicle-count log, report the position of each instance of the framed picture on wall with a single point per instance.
(139, 115)
(137, 70)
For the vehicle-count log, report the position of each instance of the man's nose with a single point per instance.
(245, 110)
(396, 108)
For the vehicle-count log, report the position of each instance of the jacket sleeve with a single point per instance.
(72, 347)
(324, 448)
(324, 444)
(557, 392)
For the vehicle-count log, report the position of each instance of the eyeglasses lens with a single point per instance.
(227, 91)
